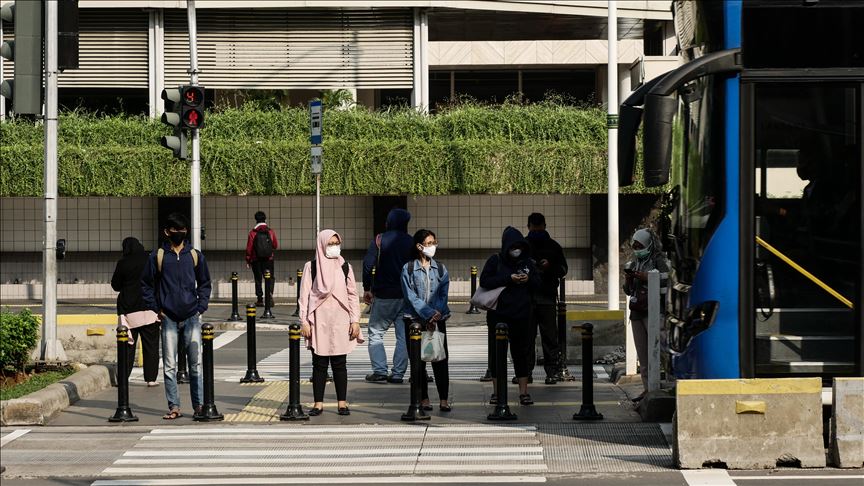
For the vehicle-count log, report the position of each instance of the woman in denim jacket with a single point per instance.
(425, 284)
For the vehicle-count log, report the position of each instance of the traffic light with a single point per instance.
(25, 51)
(171, 117)
(186, 112)
(192, 113)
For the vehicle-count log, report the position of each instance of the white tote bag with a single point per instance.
(432, 347)
(487, 299)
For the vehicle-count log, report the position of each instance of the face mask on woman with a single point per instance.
(642, 253)
(429, 251)
(333, 251)
(177, 238)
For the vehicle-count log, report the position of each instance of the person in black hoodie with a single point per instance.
(552, 266)
(127, 281)
(176, 285)
(388, 253)
(514, 270)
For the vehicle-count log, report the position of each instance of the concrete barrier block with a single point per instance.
(847, 423)
(749, 424)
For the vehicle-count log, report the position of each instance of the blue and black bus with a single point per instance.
(758, 141)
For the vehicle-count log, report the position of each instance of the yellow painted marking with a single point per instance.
(264, 406)
(595, 315)
(757, 386)
(84, 319)
(750, 406)
(95, 331)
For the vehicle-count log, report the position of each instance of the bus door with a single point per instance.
(805, 160)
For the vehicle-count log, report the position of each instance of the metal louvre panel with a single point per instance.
(113, 50)
(294, 48)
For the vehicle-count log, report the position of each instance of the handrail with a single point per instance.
(804, 272)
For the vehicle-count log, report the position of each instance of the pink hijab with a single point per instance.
(329, 279)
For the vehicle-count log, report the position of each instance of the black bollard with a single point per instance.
(473, 308)
(268, 295)
(182, 367)
(235, 311)
(415, 334)
(299, 279)
(208, 409)
(295, 410)
(502, 410)
(587, 411)
(563, 371)
(251, 349)
(123, 413)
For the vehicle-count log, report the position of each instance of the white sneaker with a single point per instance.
(152, 383)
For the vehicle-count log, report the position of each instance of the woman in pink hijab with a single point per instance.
(329, 318)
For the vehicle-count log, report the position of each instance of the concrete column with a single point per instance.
(416, 92)
(424, 58)
(156, 62)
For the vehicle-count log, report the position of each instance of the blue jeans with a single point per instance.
(387, 313)
(191, 329)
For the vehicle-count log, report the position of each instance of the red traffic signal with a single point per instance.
(192, 106)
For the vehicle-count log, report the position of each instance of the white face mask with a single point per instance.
(515, 252)
(429, 251)
(333, 251)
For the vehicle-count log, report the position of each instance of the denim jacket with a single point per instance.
(425, 290)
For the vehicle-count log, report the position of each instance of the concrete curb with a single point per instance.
(38, 407)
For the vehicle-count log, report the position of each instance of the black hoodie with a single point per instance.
(514, 303)
(127, 277)
(397, 248)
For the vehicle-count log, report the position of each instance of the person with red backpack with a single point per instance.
(260, 248)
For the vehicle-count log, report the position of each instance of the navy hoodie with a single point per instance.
(514, 303)
(397, 248)
(182, 289)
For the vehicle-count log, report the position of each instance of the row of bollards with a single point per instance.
(208, 412)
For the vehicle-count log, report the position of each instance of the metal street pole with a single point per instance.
(2, 78)
(51, 349)
(612, 125)
(196, 141)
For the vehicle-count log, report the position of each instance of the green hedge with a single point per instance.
(533, 149)
(18, 337)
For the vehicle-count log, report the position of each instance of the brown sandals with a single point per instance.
(172, 414)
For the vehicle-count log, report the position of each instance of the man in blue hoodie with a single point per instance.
(176, 285)
(387, 254)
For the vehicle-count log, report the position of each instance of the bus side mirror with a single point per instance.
(659, 114)
(698, 318)
(628, 127)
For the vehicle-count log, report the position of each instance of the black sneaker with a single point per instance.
(376, 378)
(182, 377)
(395, 380)
(259, 302)
(487, 376)
(550, 380)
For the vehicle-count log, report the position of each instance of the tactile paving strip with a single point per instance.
(264, 406)
(599, 447)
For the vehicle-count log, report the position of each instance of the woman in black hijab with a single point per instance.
(130, 306)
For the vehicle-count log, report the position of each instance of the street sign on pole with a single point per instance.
(317, 164)
(315, 122)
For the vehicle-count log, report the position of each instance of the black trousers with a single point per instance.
(546, 319)
(441, 370)
(258, 267)
(148, 336)
(319, 375)
(521, 336)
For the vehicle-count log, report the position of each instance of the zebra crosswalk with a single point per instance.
(416, 454)
(467, 359)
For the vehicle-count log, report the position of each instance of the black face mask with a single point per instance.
(177, 238)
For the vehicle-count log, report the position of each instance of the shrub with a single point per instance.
(18, 337)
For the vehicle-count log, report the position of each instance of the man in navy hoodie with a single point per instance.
(176, 285)
(388, 253)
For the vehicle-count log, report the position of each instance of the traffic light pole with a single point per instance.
(196, 142)
(51, 349)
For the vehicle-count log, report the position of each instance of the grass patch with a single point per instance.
(28, 383)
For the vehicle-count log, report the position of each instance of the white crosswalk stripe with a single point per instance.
(415, 452)
(467, 359)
